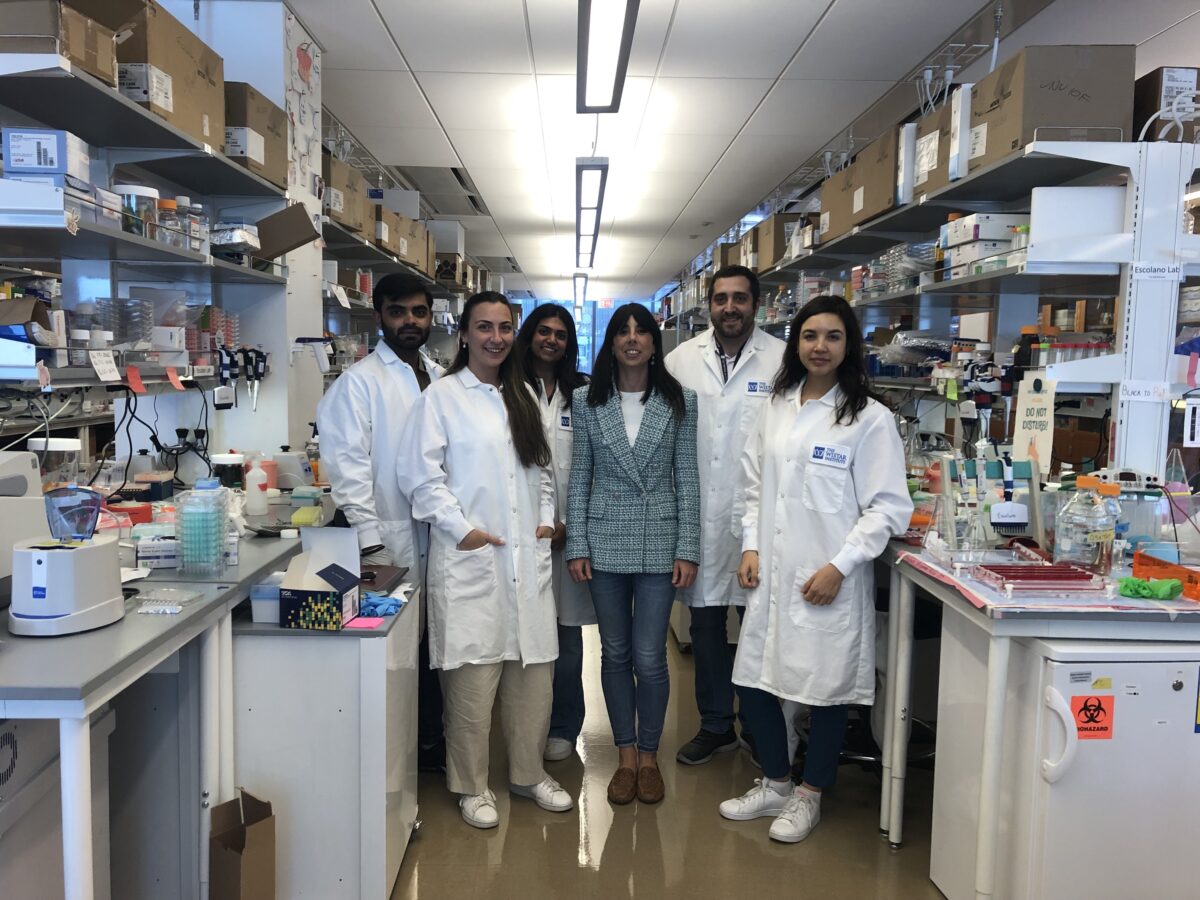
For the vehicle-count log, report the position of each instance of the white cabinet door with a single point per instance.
(1117, 784)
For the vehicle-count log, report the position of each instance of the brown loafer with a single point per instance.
(623, 787)
(650, 787)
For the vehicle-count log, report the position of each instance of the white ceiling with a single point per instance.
(722, 102)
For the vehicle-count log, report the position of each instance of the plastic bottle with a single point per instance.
(1176, 486)
(1111, 495)
(1085, 529)
(200, 527)
(312, 449)
(187, 221)
(170, 229)
(199, 228)
(256, 489)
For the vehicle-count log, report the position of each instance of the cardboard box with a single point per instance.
(726, 255)
(317, 594)
(431, 256)
(256, 133)
(45, 151)
(35, 26)
(1158, 89)
(449, 267)
(863, 190)
(968, 254)
(345, 193)
(162, 66)
(931, 165)
(389, 232)
(241, 857)
(25, 315)
(774, 234)
(749, 255)
(1059, 93)
(983, 227)
(285, 230)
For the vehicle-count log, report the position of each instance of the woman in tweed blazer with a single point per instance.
(633, 531)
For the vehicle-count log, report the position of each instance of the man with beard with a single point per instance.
(360, 419)
(731, 368)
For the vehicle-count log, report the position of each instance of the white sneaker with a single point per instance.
(549, 795)
(760, 800)
(557, 749)
(799, 817)
(479, 809)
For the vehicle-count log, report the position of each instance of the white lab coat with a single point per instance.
(459, 468)
(817, 492)
(360, 420)
(727, 414)
(574, 600)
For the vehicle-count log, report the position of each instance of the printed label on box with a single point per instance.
(336, 200)
(32, 151)
(145, 83)
(860, 199)
(402, 246)
(381, 231)
(1176, 82)
(978, 141)
(824, 222)
(242, 141)
(927, 154)
(204, 129)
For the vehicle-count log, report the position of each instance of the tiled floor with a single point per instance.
(681, 848)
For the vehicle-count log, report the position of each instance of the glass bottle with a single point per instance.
(187, 221)
(1085, 529)
(170, 229)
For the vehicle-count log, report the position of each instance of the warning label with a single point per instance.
(1094, 717)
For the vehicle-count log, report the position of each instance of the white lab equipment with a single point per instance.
(294, 468)
(22, 511)
(71, 581)
(1100, 752)
(59, 459)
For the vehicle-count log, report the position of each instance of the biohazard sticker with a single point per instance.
(1094, 717)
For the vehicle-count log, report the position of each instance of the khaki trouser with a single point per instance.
(526, 697)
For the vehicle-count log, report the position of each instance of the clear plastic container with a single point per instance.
(139, 209)
(1110, 494)
(187, 220)
(170, 228)
(1085, 529)
(78, 342)
(200, 527)
(198, 223)
(59, 460)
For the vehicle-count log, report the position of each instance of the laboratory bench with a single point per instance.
(174, 750)
(979, 630)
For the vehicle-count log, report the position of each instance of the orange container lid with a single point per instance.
(1090, 482)
(167, 204)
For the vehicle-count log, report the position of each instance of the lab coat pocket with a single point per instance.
(544, 559)
(470, 574)
(833, 618)
(824, 488)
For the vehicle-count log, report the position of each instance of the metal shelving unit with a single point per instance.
(48, 88)
(980, 291)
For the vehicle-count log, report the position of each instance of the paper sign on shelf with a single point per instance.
(339, 294)
(1094, 717)
(173, 377)
(134, 377)
(105, 365)
(1145, 271)
(1034, 425)
(1145, 391)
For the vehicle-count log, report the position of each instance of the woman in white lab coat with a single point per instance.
(825, 491)
(474, 463)
(549, 351)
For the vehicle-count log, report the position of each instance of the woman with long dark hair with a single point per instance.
(633, 531)
(825, 490)
(474, 463)
(548, 349)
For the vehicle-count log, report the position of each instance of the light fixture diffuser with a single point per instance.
(591, 177)
(581, 281)
(605, 37)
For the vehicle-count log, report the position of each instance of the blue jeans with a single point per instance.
(633, 611)
(713, 662)
(827, 730)
(566, 717)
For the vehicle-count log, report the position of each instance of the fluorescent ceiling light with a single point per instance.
(604, 40)
(581, 281)
(591, 177)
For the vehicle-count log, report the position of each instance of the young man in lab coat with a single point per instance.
(360, 419)
(730, 367)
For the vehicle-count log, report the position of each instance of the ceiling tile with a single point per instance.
(483, 102)
(375, 100)
(352, 35)
(461, 35)
(408, 146)
(704, 105)
(900, 36)
(752, 39)
(815, 109)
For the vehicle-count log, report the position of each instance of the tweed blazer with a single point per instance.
(633, 509)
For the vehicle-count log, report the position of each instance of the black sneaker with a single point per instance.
(432, 759)
(701, 748)
(746, 742)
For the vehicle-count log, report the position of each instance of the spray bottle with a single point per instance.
(256, 488)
